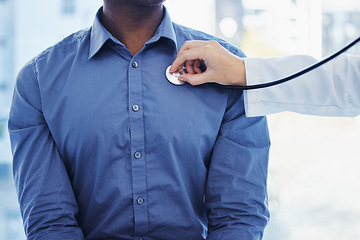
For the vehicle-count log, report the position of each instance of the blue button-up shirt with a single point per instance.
(106, 148)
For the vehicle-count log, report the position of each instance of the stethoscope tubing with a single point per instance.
(293, 76)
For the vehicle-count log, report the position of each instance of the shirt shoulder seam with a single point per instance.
(73, 38)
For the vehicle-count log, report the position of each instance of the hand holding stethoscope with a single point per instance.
(222, 67)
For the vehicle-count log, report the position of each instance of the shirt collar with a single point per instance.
(99, 35)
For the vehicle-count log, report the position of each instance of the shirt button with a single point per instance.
(135, 108)
(134, 64)
(137, 155)
(140, 200)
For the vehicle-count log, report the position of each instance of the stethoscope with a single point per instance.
(174, 78)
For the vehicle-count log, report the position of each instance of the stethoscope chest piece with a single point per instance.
(173, 78)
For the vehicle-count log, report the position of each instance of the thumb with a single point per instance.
(195, 79)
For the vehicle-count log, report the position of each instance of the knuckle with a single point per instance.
(213, 42)
(188, 42)
(207, 47)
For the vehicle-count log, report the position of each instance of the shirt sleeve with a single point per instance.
(236, 193)
(47, 202)
(330, 90)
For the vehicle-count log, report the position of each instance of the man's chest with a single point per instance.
(116, 106)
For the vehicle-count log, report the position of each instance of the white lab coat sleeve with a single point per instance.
(330, 90)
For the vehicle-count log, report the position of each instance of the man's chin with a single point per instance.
(148, 3)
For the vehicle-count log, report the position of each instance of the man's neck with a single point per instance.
(131, 24)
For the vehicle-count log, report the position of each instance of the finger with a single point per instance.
(192, 44)
(191, 54)
(195, 79)
(197, 64)
(180, 60)
(177, 64)
(188, 45)
(189, 65)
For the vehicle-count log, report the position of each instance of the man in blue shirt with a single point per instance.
(105, 148)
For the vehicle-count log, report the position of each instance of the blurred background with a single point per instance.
(314, 180)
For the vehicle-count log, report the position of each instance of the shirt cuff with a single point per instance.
(252, 98)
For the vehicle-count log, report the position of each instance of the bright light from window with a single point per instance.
(228, 27)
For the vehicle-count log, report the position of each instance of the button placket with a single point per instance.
(137, 143)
